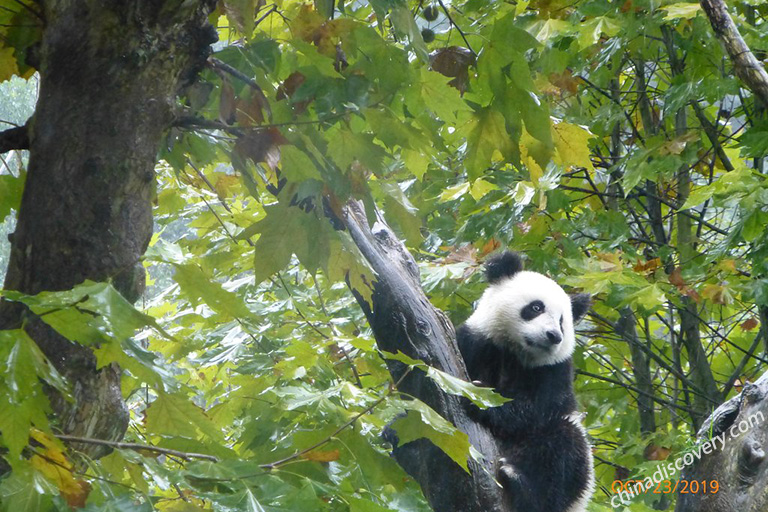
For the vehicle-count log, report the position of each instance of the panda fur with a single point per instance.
(520, 341)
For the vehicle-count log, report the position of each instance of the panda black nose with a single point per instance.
(554, 337)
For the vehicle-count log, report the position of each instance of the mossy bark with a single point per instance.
(109, 75)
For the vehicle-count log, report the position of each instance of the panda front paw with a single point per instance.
(518, 488)
(508, 476)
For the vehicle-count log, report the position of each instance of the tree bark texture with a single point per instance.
(109, 74)
(740, 466)
(403, 319)
(746, 66)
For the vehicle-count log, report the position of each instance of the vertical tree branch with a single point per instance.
(746, 66)
(403, 319)
(690, 334)
(626, 327)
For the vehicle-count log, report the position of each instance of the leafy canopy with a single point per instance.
(608, 141)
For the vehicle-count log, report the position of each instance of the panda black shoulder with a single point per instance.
(478, 351)
(505, 264)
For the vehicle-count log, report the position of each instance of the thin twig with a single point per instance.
(199, 122)
(461, 32)
(138, 447)
(633, 388)
(38, 14)
(333, 328)
(278, 463)
(219, 65)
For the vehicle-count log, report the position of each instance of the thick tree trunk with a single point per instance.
(109, 74)
(403, 320)
(738, 463)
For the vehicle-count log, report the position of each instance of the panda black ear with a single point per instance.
(580, 305)
(503, 265)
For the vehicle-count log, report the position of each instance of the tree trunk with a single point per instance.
(109, 73)
(626, 328)
(403, 320)
(738, 464)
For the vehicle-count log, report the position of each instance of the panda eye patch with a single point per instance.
(532, 310)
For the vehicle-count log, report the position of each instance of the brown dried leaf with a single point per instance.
(565, 81)
(676, 278)
(261, 146)
(621, 473)
(716, 293)
(655, 452)
(227, 103)
(490, 246)
(249, 110)
(648, 266)
(453, 61)
(76, 498)
(749, 324)
(464, 254)
(289, 85)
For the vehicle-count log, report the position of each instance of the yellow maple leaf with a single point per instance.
(572, 144)
(322, 456)
(718, 294)
(56, 467)
(8, 66)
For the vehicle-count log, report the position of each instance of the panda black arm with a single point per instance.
(479, 355)
(464, 340)
(540, 395)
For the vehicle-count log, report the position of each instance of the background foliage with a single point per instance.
(608, 141)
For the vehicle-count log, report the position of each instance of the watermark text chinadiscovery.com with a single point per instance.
(662, 478)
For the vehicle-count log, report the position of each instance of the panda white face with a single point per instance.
(529, 313)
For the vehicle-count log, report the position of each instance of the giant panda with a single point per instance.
(520, 340)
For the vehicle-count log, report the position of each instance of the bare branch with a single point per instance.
(138, 447)
(14, 138)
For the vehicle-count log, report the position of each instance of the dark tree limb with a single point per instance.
(14, 138)
(403, 319)
(746, 66)
(626, 328)
(739, 464)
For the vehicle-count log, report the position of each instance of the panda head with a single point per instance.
(527, 312)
